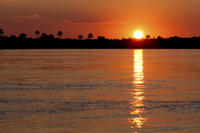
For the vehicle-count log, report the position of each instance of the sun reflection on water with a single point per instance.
(137, 94)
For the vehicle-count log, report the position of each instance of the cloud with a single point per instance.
(102, 21)
(88, 21)
(34, 16)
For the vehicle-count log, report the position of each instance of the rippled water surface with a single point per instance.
(99, 91)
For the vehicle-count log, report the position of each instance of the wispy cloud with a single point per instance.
(34, 16)
(102, 21)
(88, 21)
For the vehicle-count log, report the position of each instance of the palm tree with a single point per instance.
(59, 34)
(37, 33)
(1, 32)
(80, 37)
(90, 36)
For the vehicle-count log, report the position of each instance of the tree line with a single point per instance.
(59, 35)
(43, 40)
(39, 35)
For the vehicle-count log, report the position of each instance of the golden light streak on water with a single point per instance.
(137, 95)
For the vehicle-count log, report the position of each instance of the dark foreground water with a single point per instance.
(99, 91)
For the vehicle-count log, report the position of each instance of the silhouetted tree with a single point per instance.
(80, 37)
(90, 36)
(13, 37)
(148, 37)
(37, 33)
(22, 36)
(51, 37)
(101, 38)
(1, 32)
(159, 38)
(59, 34)
(44, 36)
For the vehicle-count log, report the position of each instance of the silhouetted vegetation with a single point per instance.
(13, 37)
(44, 36)
(22, 36)
(59, 34)
(37, 33)
(101, 38)
(49, 41)
(90, 36)
(148, 37)
(80, 37)
(1, 32)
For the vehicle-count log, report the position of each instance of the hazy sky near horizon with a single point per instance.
(110, 18)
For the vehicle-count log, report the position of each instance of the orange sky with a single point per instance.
(110, 18)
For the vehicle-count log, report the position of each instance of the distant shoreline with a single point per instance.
(160, 43)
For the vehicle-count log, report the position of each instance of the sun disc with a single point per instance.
(138, 34)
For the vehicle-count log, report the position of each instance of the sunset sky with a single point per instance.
(110, 18)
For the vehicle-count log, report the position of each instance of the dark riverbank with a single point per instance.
(52, 43)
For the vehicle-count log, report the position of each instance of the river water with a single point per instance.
(99, 91)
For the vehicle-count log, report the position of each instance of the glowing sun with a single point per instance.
(138, 34)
